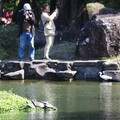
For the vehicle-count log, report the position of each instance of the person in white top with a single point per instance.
(49, 27)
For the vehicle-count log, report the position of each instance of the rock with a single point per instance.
(53, 64)
(17, 75)
(108, 11)
(110, 66)
(115, 74)
(39, 71)
(62, 66)
(100, 37)
(12, 66)
(66, 75)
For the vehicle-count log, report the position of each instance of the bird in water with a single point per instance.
(104, 77)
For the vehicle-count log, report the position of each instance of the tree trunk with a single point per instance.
(73, 15)
(0, 8)
(53, 4)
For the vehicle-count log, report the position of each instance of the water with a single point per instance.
(77, 100)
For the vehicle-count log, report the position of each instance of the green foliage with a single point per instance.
(109, 3)
(37, 4)
(94, 8)
(113, 58)
(11, 102)
(8, 41)
(9, 5)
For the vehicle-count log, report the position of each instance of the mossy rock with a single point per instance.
(94, 8)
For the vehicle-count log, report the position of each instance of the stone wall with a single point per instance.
(58, 70)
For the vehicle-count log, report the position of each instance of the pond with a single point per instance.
(76, 100)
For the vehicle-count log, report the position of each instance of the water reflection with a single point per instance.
(106, 99)
(49, 115)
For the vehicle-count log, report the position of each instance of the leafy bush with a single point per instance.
(11, 102)
(94, 8)
(8, 41)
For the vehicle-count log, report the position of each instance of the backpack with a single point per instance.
(41, 28)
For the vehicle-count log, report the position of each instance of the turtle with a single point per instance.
(43, 104)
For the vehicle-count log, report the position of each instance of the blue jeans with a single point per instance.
(23, 37)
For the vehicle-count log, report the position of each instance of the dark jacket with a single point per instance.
(20, 19)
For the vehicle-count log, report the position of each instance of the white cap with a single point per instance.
(26, 7)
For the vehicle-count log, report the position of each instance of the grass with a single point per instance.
(114, 58)
(63, 51)
(12, 102)
(66, 51)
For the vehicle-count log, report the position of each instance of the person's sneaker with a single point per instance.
(31, 60)
(45, 58)
(20, 60)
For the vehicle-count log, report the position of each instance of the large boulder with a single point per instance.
(100, 37)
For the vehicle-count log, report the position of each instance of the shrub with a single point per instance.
(8, 41)
(94, 8)
(11, 102)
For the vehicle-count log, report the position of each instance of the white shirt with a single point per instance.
(48, 21)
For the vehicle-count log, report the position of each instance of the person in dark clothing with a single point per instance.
(26, 21)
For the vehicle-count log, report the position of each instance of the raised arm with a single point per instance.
(47, 17)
